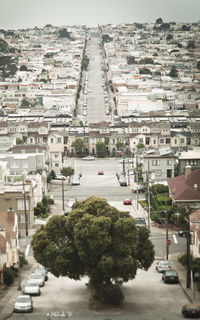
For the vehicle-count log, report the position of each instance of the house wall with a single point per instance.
(158, 168)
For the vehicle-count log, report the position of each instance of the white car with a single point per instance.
(89, 158)
(23, 303)
(71, 201)
(33, 289)
(42, 271)
(37, 278)
(163, 265)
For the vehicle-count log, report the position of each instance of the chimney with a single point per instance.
(195, 187)
(3, 232)
(188, 171)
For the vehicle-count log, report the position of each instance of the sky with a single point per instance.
(16, 14)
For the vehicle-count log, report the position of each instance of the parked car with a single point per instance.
(43, 271)
(100, 173)
(75, 182)
(170, 276)
(60, 177)
(71, 201)
(140, 222)
(37, 278)
(23, 303)
(191, 310)
(89, 158)
(163, 265)
(182, 233)
(67, 211)
(33, 289)
(127, 202)
(122, 182)
(141, 189)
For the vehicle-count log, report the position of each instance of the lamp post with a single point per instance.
(19, 287)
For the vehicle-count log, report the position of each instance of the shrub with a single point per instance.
(37, 211)
(22, 259)
(8, 276)
(183, 259)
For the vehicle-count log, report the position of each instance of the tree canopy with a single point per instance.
(131, 60)
(96, 240)
(67, 171)
(173, 72)
(8, 66)
(79, 146)
(63, 33)
(101, 149)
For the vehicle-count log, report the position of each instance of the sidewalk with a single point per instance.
(192, 293)
(6, 303)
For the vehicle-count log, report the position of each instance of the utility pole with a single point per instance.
(166, 228)
(63, 196)
(19, 287)
(25, 211)
(148, 197)
(188, 284)
(167, 235)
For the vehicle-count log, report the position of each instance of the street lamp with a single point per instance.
(18, 251)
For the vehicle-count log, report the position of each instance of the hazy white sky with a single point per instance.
(16, 14)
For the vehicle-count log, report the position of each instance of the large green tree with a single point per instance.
(79, 146)
(101, 149)
(96, 240)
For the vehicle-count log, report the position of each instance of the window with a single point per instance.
(20, 204)
(154, 141)
(169, 162)
(31, 140)
(175, 141)
(56, 155)
(25, 164)
(140, 140)
(168, 140)
(56, 165)
(59, 140)
(51, 140)
(155, 162)
(14, 164)
(162, 141)
(13, 129)
(182, 140)
(22, 218)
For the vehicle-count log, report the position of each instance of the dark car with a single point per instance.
(191, 310)
(170, 276)
(182, 233)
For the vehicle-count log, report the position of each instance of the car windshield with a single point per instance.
(23, 299)
(164, 263)
(31, 284)
(193, 307)
(171, 273)
(36, 276)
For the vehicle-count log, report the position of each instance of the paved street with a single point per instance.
(146, 297)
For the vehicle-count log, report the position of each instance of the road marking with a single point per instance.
(27, 249)
(175, 239)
